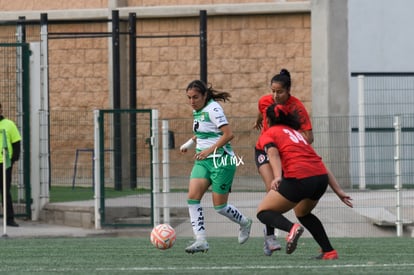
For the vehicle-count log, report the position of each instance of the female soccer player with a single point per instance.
(300, 180)
(280, 86)
(213, 165)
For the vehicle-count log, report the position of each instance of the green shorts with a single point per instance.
(220, 176)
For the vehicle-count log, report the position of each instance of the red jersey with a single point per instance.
(264, 102)
(293, 104)
(299, 159)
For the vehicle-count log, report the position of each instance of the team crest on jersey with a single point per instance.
(261, 158)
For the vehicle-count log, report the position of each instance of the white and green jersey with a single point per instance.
(206, 126)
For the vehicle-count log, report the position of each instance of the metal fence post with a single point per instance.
(165, 172)
(397, 164)
(361, 132)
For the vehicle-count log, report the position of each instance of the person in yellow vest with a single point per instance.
(8, 131)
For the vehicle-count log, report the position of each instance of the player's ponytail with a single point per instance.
(279, 114)
(284, 78)
(204, 89)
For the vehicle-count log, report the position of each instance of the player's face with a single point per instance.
(196, 99)
(280, 94)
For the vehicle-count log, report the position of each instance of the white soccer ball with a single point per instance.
(163, 236)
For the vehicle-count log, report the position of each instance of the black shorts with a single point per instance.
(260, 157)
(296, 190)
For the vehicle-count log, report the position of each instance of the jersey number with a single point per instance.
(295, 136)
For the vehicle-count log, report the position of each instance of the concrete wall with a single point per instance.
(330, 91)
(247, 45)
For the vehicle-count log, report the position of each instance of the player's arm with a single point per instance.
(306, 124)
(333, 183)
(308, 135)
(275, 164)
(188, 144)
(259, 120)
(16, 151)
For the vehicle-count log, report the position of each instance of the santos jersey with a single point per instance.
(207, 122)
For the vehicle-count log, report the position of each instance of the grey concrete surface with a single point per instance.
(339, 220)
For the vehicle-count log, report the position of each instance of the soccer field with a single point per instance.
(132, 255)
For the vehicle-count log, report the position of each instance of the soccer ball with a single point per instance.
(163, 236)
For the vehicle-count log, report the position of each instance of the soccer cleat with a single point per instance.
(331, 255)
(244, 232)
(197, 246)
(270, 245)
(293, 237)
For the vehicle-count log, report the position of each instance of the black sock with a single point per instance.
(270, 231)
(275, 220)
(315, 227)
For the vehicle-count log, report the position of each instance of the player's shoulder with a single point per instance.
(294, 99)
(274, 129)
(266, 101)
(295, 103)
(266, 98)
(213, 106)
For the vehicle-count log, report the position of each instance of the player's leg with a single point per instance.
(315, 227)
(272, 207)
(197, 186)
(274, 204)
(270, 243)
(316, 187)
(222, 179)
(263, 167)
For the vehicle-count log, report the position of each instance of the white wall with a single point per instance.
(381, 40)
(380, 35)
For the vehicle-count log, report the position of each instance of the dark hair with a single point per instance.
(279, 114)
(211, 93)
(284, 78)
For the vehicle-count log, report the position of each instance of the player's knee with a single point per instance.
(306, 219)
(266, 216)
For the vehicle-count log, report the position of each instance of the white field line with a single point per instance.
(254, 267)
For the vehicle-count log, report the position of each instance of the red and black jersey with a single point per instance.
(293, 104)
(299, 159)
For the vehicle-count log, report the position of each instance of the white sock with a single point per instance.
(233, 214)
(197, 221)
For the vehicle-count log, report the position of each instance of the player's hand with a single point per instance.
(347, 200)
(187, 145)
(275, 183)
(202, 155)
(257, 126)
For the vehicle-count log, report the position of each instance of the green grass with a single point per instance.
(135, 255)
(65, 193)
